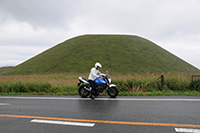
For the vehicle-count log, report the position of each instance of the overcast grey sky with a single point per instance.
(28, 27)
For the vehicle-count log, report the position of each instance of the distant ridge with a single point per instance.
(117, 53)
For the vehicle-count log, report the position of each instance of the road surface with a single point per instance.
(160, 114)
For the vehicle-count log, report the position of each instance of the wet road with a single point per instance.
(72, 114)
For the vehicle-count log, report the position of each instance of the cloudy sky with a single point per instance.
(29, 27)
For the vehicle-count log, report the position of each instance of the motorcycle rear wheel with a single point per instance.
(112, 92)
(83, 92)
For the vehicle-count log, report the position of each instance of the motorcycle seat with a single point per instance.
(85, 79)
(80, 78)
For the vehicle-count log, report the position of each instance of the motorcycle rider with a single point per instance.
(94, 73)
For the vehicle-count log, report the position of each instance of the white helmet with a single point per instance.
(98, 65)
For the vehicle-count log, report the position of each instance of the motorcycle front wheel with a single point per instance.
(83, 92)
(112, 92)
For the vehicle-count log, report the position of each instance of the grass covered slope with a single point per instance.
(117, 53)
(4, 70)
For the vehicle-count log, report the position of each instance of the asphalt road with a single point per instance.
(124, 114)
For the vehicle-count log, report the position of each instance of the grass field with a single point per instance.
(120, 54)
(129, 84)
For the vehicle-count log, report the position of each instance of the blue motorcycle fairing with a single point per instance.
(107, 81)
(99, 80)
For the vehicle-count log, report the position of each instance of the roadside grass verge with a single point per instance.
(128, 85)
(36, 88)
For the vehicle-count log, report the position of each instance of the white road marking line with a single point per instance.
(44, 98)
(97, 99)
(187, 130)
(127, 99)
(64, 123)
(4, 104)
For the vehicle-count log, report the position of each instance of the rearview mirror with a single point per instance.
(106, 72)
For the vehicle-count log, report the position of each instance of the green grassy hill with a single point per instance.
(117, 53)
(4, 70)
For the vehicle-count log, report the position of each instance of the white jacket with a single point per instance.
(94, 73)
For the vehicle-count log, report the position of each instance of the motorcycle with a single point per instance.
(101, 85)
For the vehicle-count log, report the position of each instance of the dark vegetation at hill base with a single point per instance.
(135, 87)
(117, 53)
